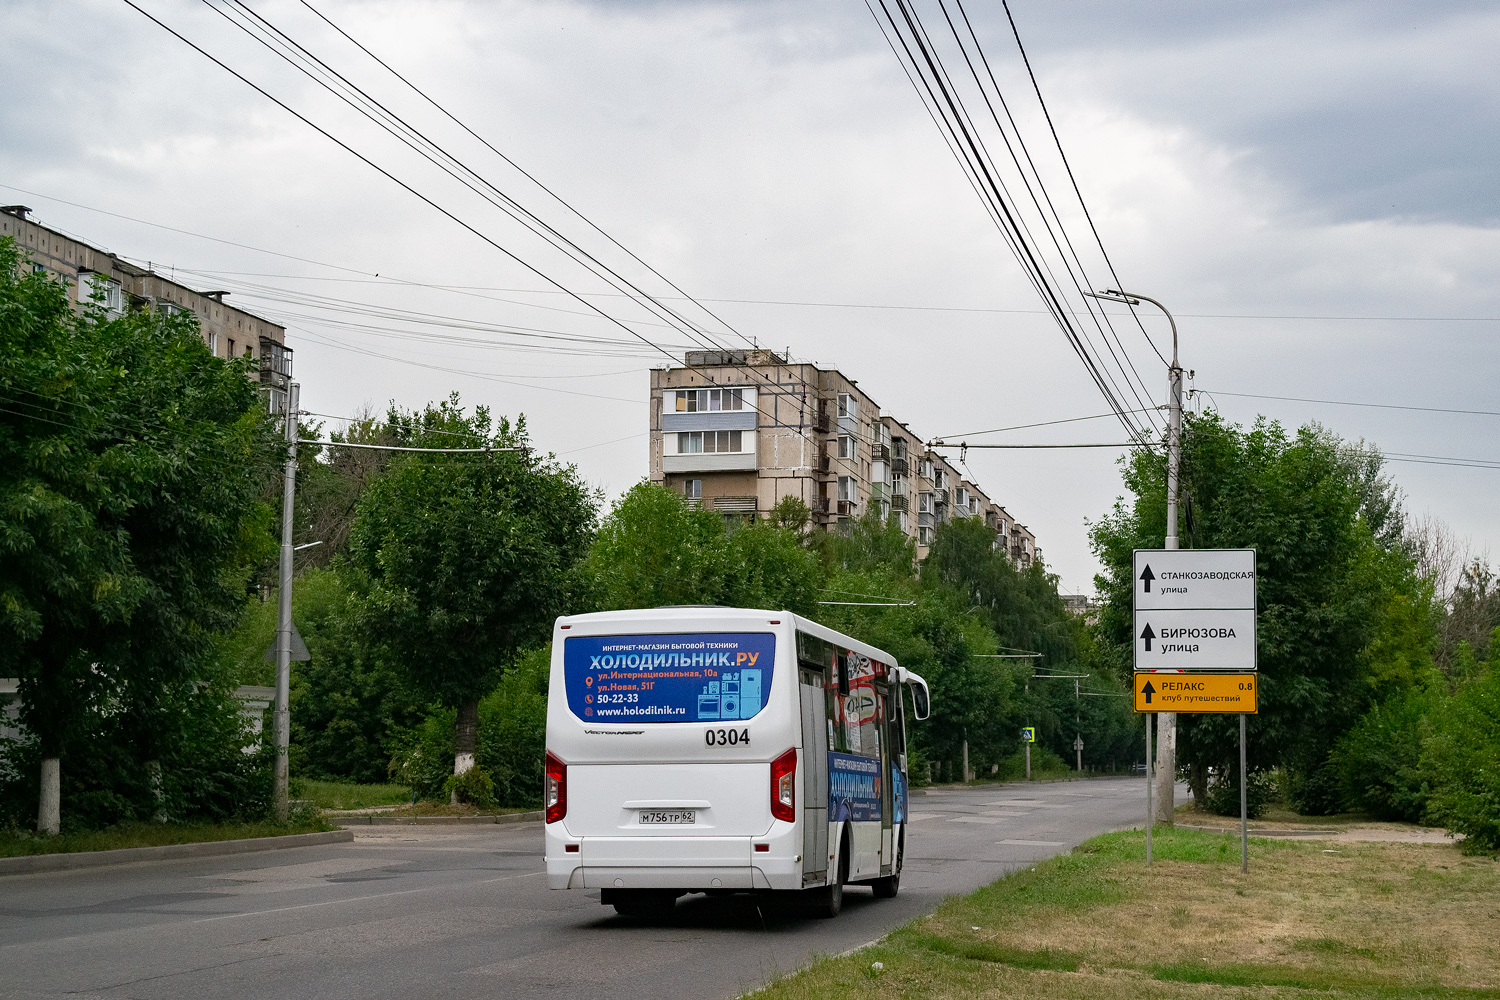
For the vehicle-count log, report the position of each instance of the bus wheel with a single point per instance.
(828, 900)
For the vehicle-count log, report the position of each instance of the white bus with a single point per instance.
(719, 750)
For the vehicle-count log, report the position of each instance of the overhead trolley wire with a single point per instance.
(525, 173)
(964, 123)
(923, 67)
(983, 184)
(1021, 47)
(411, 189)
(460, 171)
(1095, 310)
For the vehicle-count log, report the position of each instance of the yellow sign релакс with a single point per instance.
(1231, 693)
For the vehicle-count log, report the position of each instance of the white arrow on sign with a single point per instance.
(1195, 640)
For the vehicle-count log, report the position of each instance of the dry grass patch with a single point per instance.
(1387, 920)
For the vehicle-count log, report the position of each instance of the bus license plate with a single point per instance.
(667, 817)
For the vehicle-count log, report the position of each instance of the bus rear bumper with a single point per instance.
(688, 863)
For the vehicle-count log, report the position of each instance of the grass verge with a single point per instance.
(1385, 920)
(348, 795)
(14, 844)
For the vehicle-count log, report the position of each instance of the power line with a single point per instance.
(1344, 402)
(263, 31)
(1022, 427)
(1066, 165)
(444, 161)
(923, 68)
(558, 198)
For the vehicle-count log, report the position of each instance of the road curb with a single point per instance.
(376, 820)
(205, 849)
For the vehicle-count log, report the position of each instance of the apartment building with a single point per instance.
(92, 274)
(738, 431)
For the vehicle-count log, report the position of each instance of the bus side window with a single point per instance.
(833, 703)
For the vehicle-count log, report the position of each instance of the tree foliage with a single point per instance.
(655, 550)
(1344, 619)
(131, 464)
(467, 558)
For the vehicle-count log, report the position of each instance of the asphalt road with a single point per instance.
(408, 912)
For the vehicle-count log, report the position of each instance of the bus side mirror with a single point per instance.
(920, 704)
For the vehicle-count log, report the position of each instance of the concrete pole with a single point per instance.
(281, 795)
(966, 761)
(1166, 726)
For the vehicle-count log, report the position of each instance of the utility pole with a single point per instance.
(1166, 722)
(281, 794)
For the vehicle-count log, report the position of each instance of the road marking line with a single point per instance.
(1033, 843)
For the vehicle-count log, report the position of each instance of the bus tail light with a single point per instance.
(557, 788)
(783, 786)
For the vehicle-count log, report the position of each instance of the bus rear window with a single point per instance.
(698, 677)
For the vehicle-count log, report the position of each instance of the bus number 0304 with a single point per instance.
(726, 737)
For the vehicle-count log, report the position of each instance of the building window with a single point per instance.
(963, 497)
(710, 442)
(924, 503)
(899, 447)
(940, 478)
(848, 406)
(213, 342)
(926, 468)
(709, 400)
(847, 447)
(924, 535)
(231, 348)
(106, 291)
(692, 489)
(898, 484)
(846, 488)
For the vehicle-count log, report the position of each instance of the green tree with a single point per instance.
(1344, 620)
(467, 558)
(1461, 756)
(131, 462)
(655, 550)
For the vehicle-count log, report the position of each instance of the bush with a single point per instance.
(513, 730)
(474, 787)
(1379, 761)
(423, 760)
(1223, 797)
(205, 774)
(1462, 758)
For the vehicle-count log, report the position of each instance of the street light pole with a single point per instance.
(1166, 722)
(281, 793)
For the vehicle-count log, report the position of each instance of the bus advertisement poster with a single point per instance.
(853, 788)
(703, 677)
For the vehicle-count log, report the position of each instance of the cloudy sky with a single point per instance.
(1313, 188)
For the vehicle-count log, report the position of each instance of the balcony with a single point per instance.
(898, 466)
(898, 502)
(879, 491)
(819, 505)
(825, 464)
(846, 507)
(882, 452)
(823, 425)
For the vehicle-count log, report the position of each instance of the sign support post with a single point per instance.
(1150, 816)
(1244, 815)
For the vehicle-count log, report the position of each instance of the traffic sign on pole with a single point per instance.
(1206, 692)
(1194, 609)
(1174, 579)
(1195, 640)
